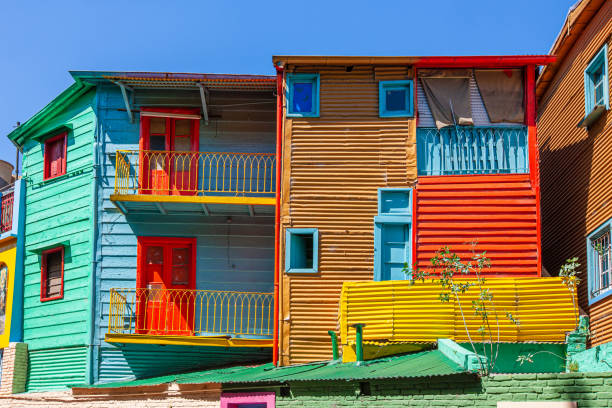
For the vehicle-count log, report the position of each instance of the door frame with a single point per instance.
(144, 241)
(383, 218)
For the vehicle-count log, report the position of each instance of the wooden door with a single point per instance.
(154, 158)
(184, 161)
(166, 278)
(395, 250)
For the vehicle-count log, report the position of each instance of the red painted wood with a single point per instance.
(43, 274)
(55, 156)
(485, 61)
(475, 213)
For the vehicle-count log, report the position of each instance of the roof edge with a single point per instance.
(422, 61)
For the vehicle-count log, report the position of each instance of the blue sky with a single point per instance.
(40, 41)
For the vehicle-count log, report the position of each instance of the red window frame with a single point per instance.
(47, 157)
(43, 274)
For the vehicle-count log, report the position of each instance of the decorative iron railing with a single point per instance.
(194, 173)
(472, 150)
(6, 208)
(187, 312)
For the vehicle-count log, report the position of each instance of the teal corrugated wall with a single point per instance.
(56, 368)
(143, 360)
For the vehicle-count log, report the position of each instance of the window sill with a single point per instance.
(592, 117)
(303, 115)
(301, 270)
(51, 298)
(600, 297)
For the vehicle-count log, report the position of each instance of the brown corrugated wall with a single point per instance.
(333, 167)
(576, 166)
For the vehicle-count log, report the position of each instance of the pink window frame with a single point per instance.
(268, 398)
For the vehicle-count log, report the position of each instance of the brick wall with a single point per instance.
(587, 389)
(14, 368)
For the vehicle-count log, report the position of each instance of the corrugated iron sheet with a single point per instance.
(492, 213)
(55, 369)
(333, 166)
(399, 311)
(576, 176)
(424, 364)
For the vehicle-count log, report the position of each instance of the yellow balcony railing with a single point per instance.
(187, 312)
(399, 311)
(142, 172)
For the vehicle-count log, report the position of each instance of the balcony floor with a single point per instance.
(210, 341)
(192, 204)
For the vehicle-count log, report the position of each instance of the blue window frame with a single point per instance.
(303, 95)
(599, 260)
(302, 250)
(395, 99)
(596, 83)
(393, 234)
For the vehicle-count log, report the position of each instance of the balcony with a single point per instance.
(472, 150)
(7, 201)
(165, 181)
(191, 317)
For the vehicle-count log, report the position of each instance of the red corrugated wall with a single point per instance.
(496, 212)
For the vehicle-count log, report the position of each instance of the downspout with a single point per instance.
(279, 149)
(91, 330)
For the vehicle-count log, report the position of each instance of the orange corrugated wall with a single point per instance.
(477, 213)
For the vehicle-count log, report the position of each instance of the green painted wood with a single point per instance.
(59, 211)
(55, 368)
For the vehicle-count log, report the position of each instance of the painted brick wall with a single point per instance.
(588, 389)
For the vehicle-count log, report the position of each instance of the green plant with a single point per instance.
(569, 276)
(446, 268)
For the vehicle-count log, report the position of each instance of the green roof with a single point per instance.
(423, 364)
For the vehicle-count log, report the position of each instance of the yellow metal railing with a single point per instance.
(186, 312)
(398, 311)
(194, 173)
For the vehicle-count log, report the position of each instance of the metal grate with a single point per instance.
(603, 263)
(6, 209)
(472, 150)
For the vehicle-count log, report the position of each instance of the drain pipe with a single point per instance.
(334, 340)
(279, 150)
(359, 342)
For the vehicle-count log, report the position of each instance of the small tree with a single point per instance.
(447, 267)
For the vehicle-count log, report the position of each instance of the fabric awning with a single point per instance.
(502, 94)
(448, 95)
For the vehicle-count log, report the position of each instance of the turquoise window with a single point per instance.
(596, 86)
(301, 250)
(302, 95)
(393, 234)
(599, 260)
(395, 99)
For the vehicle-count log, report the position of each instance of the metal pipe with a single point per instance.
(358, 341)
(334, 340)
(279, 139)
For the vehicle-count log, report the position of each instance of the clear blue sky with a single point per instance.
(40, 41)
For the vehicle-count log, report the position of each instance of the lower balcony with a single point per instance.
(182, 182)
(190, 317)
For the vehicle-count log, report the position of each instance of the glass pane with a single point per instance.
(155, 255)
(182, 127)
(182, 143)
(180, 266)
(54, 274)
(395, 100)
(302, 97)
(158, 125)
(157, 143)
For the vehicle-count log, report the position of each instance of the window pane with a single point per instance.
(182, 127)
(54, 274)
(157, 143)
(158, 125)
(180, 266)
(182, 144)
(302, 97)
(155, 255)
(395, 100)
(55, 150)
(302, 251)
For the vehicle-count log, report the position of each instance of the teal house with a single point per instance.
(149, 226)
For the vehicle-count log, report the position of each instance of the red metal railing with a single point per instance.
(6, 210)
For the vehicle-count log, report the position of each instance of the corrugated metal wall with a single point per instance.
(56, 368)
(576, 175)
(333, 166)
(492, 213)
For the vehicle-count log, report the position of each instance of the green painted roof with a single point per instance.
(25, 130)
(423, 364)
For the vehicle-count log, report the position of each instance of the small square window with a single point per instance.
(395, 99)
(303, 95)
(302, 250)
(599, 259)
(55, 156)
(596, 91)
(52, 274)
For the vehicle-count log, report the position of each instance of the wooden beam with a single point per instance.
(214, 341)
(161, 208)
(146, 198)
(205, 209)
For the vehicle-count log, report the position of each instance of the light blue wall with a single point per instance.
(236, 255)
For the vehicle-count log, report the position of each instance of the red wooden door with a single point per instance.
(166, 304)
(154, 157)
(184, 162)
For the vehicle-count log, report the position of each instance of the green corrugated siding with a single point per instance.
(59, 211)
(56, 368)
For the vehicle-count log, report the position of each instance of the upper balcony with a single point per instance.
(167, 181)
(11, 200)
